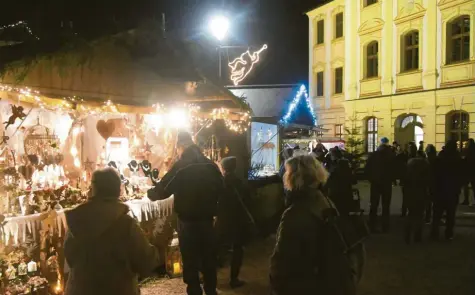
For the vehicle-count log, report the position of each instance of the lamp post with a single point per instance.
(219, 28)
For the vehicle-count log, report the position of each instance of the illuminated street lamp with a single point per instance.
(219, 27)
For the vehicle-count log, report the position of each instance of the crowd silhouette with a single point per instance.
(320, 239)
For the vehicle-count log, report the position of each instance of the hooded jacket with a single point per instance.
(106, 250)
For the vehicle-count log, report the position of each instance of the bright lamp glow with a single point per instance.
(178, 118)
(219, 26)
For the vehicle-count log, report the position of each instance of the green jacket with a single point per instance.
(301, 263)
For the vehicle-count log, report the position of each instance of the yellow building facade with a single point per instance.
(402, 69)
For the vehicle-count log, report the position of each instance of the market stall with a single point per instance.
(118, 111)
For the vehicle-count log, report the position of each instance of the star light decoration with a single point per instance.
(242, 66)
(293, 106)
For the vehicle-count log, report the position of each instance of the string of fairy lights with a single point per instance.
(293, 105)
(20, 24)
(236, 122)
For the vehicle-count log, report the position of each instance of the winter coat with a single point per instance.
(340, 188)
(417, 182)
(381, 165)
(449, 175)
(470, 162)
(432, 159)
(106, 250)
(196, 183)
(401, 162)
(297, 262)
(233, 220)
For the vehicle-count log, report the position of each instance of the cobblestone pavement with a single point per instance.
(393, 268)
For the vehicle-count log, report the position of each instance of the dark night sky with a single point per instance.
(282, 24)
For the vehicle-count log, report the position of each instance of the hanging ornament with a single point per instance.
(148, 147)
(5, 138)
(17, 113)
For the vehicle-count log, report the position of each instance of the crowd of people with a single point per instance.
(431, 184)
(319, 246)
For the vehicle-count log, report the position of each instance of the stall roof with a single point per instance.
(137, 67)
(266, 101)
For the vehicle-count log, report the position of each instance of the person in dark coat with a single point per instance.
(298, 263)
(411, 153)
(340, 188)
(431, 153)
(321, 151)
(380, 169)
(332, 158)
(234, 220)
(401, 162)
(105, 249)
(449, 180)
(417, 186)
(196, 183)
(469, 160)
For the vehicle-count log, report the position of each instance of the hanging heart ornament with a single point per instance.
(105, 128)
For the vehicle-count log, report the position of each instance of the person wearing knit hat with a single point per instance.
(384, 140)
(234, 220)
(196, 184)
(105, 249)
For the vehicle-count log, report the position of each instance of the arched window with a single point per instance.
(410, 51)
(458, 39)
(372, 59)
(371, 134)
(457, 126)
(370, 2)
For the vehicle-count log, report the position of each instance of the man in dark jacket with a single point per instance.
(469, 160)
(234, 220)
(380, 169)
(105, 248)
(196, 183)
(449, 180)
(340, 188)
(417, 187)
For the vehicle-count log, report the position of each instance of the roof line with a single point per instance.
(262, 86)
(319, 5)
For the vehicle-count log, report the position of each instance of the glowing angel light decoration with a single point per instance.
(242, 66)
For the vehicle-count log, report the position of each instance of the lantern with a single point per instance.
(174, 265)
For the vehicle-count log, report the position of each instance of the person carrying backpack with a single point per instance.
(307, 257)
(196, 183)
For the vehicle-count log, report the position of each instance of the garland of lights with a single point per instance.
(293, 105)
(18, 24)
(240, 67)
(238, 123)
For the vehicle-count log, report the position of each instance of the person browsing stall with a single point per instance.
(196, 183)
(105, 248)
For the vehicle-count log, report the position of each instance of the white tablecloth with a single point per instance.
(18, 227)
